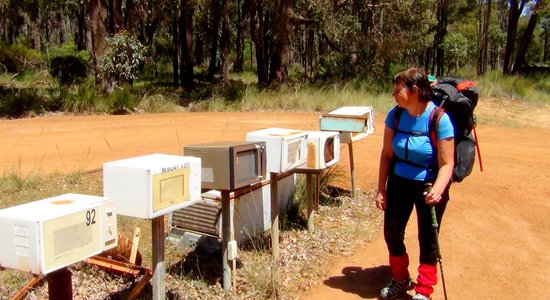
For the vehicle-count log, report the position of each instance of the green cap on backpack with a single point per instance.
(431, 78)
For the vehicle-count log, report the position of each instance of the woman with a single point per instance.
(413, 173)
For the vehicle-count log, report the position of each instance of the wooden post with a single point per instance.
(274, 215)
(352, 168)
(135, 242)
(157, 237)
(226, 237)
(316, 196)
(310, 194)
(60, 285)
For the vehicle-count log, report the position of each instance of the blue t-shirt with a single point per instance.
(419, 148)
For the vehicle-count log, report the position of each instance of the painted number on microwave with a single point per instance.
(90, 217)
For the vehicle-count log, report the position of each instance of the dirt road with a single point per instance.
(495, 233)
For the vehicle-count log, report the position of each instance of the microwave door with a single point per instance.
(293, 153)
(329, 154)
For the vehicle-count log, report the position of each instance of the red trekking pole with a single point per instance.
(478, 153)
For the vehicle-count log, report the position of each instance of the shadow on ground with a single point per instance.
(366, 283)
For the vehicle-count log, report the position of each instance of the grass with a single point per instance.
(242, 94)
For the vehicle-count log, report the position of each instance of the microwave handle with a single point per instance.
(261, 157)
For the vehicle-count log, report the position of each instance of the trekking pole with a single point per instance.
(478, 153)
(435, 228)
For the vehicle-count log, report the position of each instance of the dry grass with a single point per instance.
(342, 223)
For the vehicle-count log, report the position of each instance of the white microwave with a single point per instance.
(286, 148)
(152, 185)
(49, 234)
(323, 149)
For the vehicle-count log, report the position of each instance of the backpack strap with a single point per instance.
(396, 117)
(433, 123)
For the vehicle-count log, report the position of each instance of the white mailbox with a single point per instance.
(357, 119)
(286, 148)
(323, 149)
(49, 234)
(152, 185)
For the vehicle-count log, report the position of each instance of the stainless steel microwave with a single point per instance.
(229, 165)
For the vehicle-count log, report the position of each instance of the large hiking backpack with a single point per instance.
(458, 98)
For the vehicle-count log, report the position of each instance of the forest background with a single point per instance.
(124, 56)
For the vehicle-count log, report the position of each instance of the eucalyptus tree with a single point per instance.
(515, 9)
(484, 20)
(536, 11)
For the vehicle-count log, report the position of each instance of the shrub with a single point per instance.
(81, 98)
(16, 103)
(123, 59)
(68, 69)
(121, 100)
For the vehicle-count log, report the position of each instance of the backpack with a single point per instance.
(458, 98)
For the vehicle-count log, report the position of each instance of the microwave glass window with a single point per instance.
(71, 237)
(329, 150)
(170, 188)
(293, 152)
(246, 166)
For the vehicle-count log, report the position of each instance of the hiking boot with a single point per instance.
(395, 288)
(419, 296)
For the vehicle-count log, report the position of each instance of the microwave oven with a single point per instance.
(323, 149)
(229, 165)
(250, 212)
(359, 119)
(286, 148)
(152, 185)
(49, 234)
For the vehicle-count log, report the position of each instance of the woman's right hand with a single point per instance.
(381, 199)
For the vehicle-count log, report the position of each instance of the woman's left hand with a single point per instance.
(432, 197)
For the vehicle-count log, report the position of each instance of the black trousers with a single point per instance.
(402, 195)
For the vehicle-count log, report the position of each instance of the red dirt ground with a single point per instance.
(495, 232)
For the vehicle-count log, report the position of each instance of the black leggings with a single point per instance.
(402, 195)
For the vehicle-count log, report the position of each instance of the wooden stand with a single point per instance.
(159, 292)
(352, 168)
(312, 194)
(274, 215)
(60, 285)
(226, 238)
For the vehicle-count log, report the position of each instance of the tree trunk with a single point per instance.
(175, 50)
(214, 37)
(186, 22)
(525, 41)
(513, 17)
(80, 36)
(128, 15)
(115, 16)
(224, 42)
(441, 32)
(257, 36)
(98, 30)
(484, 14)
(239, 43)
(546, 51)
(282, 26)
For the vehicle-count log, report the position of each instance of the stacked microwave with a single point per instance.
(323, 149)
(152, 185)
(286, 148)
(49, 234)
(229, 165)
(354, 122)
